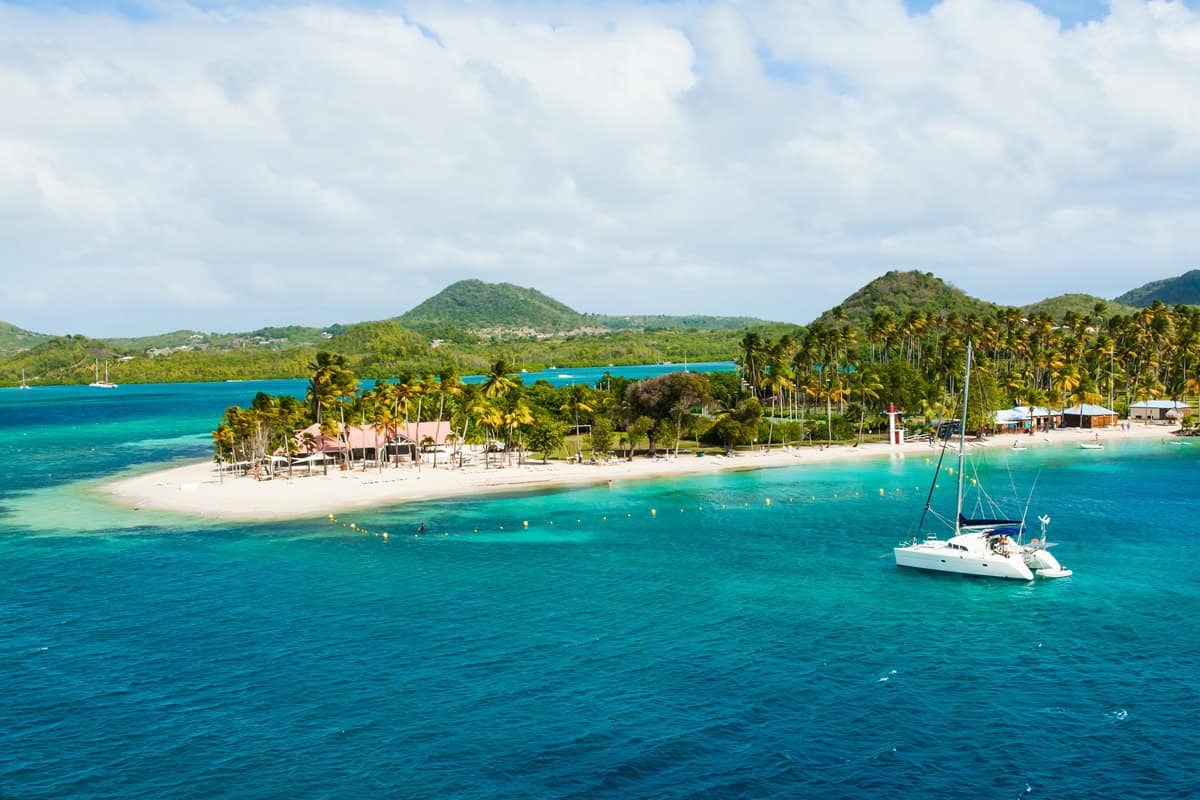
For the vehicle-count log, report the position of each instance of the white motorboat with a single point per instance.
(102, 384)
(991, 547)
(1018, 447)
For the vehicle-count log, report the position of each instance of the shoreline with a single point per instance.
(195, 490)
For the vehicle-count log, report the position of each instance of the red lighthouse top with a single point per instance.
(891, 408)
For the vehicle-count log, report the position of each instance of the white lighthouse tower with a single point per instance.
(895, 433)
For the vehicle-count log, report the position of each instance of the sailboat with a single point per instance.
(102, 384)
(989, 547)
(24, 385)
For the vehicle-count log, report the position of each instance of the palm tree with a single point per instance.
(331, 377)
(577, 402)
(868, 386)
(520, 416)
(497, 384)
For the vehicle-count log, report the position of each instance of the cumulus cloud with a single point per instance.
(224, 167)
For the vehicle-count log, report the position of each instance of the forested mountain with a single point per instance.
(474, 305)
(1184, 289)
(471, 324)
(14, 339)
(1080, 304)
(666, 322)
(902, 293)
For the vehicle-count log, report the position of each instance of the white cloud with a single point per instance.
(228, 167)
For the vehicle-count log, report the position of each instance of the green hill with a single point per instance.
(666, 322)
(14, 339)
(1081, 304)
(1184, 289)
(475, 305)
(902, 292)
(60, 359)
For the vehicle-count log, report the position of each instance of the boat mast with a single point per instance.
(962, 441)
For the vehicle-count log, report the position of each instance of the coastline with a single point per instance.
(195, 489)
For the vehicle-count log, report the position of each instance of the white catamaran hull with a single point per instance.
(944, 559)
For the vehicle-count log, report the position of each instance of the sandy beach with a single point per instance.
(196, 489)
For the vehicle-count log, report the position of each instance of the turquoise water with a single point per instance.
(731, 649)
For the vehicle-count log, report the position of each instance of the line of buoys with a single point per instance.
(604, 518)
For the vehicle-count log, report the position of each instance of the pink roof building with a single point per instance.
(370, 437)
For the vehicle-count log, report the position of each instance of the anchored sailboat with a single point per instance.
(102, 384)
(24, 385)
(990, 547)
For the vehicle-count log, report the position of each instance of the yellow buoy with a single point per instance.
(525, 524)
(385, 534)
(353, 526)
(767, 501)
(881, 492)
(654, 512)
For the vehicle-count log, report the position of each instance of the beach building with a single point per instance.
(370, 442)
(1026, 418)
(1087, 415)
(1159, 410)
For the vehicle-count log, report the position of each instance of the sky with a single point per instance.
(223, 166)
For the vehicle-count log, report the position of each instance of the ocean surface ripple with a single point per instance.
(729, 650)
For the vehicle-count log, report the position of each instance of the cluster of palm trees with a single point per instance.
(917, 359)
(493, 412)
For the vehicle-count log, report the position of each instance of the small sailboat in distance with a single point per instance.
(24, 385)
(102, 384)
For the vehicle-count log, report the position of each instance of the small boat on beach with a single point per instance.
(1093, 445)
(1018, 447)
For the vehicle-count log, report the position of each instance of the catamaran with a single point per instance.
(102, 384)
(992, 547)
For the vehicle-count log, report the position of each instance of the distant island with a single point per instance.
(470, 324)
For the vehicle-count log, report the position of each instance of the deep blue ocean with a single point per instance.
(722, 648)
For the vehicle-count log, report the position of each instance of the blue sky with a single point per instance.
(1070, 12)
(224, 166)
